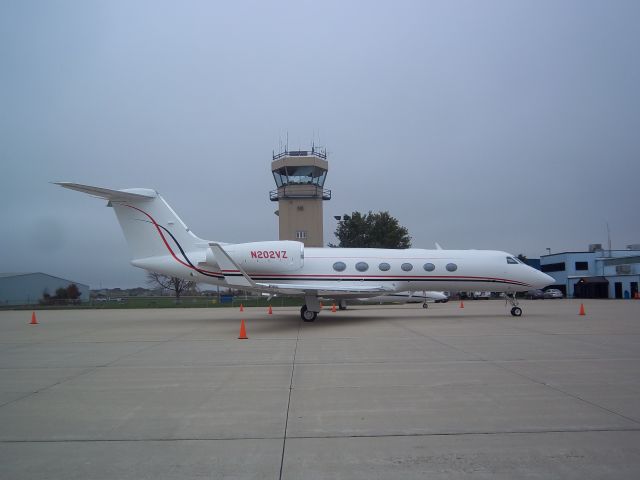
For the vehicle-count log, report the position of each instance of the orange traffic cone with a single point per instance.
(34, 320)
(320, 305)
(270, 312)
(243, 332)
(461, 304)
(582, 309)
(333, 308)
(241, 308)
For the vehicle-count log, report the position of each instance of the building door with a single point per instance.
(634, 289)
(618, 287)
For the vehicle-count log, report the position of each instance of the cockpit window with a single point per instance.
(512, 260)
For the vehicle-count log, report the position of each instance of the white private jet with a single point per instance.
(160, 242)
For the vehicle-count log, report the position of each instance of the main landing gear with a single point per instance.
(516, 311)
(307, 315)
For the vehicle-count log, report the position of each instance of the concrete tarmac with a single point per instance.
(368, 393)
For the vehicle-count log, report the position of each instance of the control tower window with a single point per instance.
(300, 175)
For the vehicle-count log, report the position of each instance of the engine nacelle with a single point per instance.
(261, 257)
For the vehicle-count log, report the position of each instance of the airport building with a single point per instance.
(300, 177)
(596, 273)
(30, 288)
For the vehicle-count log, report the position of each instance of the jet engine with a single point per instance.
(265, 257)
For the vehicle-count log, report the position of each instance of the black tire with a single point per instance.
(307, 315)
(425, 305)
(516, 311)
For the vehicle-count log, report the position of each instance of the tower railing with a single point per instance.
(301, 153)
(299, 191)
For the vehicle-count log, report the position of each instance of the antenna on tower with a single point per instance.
(609, 238)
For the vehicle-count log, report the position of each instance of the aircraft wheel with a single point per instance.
(307, 315)
(342, 305)
(516, 311)
(425, 305)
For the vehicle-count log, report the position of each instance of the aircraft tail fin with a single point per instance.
(150, 226)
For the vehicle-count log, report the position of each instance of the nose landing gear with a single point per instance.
(516, 311)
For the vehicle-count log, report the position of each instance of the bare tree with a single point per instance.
(176, 285)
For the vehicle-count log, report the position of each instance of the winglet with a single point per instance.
(233, 273)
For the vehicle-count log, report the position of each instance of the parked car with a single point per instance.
(534, 294)
(553, 293)
(480, 295)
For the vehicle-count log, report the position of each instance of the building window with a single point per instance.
(582, 265)
(384, 266)
(301, 234)
(553, 267)
(339, 266)
(362, 266)
(452, 267)
(429, 267)
(407, 267)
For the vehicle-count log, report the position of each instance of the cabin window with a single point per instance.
(407, 267)
(452, 267)
(429, 267)
(362, 266)
(384, 266)
(511, 260)
(339, 266)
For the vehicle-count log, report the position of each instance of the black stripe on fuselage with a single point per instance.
(388, 279)
(187, 258)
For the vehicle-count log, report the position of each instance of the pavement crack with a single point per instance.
(286, 421)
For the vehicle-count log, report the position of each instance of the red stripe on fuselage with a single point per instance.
(166, 244)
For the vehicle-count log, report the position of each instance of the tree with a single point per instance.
(177, 285)
(73, 292)
(371, 230)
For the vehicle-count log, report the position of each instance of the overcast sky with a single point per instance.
(505, 125)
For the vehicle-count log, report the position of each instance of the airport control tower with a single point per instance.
(300, 177)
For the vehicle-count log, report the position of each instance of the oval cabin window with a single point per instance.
(362, 266)
(339, 266)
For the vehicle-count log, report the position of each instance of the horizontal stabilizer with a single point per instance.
(129, 195)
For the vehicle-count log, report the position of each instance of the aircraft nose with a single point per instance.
(542, 279)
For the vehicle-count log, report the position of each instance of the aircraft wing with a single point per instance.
(322, 289)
